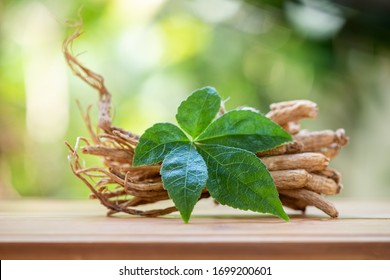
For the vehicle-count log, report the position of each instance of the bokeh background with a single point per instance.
(153, 53)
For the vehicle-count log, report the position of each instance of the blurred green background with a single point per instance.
(153, 53)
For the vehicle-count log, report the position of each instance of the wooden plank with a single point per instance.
(197, 251)
(48, 229)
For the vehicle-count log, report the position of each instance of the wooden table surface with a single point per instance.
(51, 229)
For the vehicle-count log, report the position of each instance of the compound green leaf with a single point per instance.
(239, 179)
(198, 110)
(184, 174)
(245, 130)
(157, 142)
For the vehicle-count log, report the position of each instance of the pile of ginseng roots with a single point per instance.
(299, 168)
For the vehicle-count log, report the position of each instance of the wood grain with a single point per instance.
(49, 229)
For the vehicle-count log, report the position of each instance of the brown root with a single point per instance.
(299, 169)
(312, 198)
(292, 111)
(308, 161)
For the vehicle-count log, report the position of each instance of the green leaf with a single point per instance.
(219, 154)
(239, 179)
(245, 130)
(157, 142)
(184, 174)
(198, 110)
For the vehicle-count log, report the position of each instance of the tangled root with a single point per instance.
(300, 168)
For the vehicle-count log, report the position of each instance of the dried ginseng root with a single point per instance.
(300, 169)
(305, 160)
